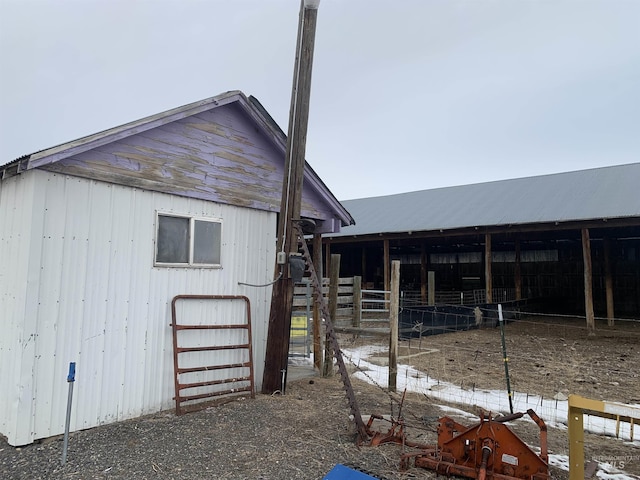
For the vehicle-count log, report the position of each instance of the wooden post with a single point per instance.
(432, 287)
(334, 280)
(387, 264)
(518, 272)
(327, 255)
(575, 423)
(608, 282)
(357, 300)
(588, 283)
(279, 329)
(394, 307)
(423, 273)
(317, 315)
(577, 406)
(487, 268)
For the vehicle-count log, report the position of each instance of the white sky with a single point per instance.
(406, 94)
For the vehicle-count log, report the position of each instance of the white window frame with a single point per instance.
(192, 221)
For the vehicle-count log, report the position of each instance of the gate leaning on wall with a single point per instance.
(207, 364)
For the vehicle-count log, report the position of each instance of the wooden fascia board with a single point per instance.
(504, 229)
(310, 176)
(276, 137)
(89, 142)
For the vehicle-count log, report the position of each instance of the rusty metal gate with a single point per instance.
(212, 358)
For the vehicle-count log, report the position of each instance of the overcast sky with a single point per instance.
(406, 94)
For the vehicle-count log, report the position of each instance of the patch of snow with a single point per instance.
(559, 461)
(609, 472)
(457, 411)
(605, 470)
(554, 412)
(300, 361)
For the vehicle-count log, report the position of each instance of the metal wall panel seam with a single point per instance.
(27, 403)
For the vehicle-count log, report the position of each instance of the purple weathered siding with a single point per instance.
(215, 155)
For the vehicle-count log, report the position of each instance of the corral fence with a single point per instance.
(549, 358)
(459, 297)
(347, 307)
(366, 311)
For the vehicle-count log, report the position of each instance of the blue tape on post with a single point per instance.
(72, 372)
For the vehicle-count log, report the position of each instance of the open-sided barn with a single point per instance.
(98, 235)
(561, 240)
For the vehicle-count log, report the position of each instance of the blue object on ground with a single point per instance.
(340, 472)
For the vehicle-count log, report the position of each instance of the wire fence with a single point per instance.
(455, 356)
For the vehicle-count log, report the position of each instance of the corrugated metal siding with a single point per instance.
(609, 192)
(16, 349)
(98, 300)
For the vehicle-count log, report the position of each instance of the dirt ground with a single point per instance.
(546, 356)
(305, 433)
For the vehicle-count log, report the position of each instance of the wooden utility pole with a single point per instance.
(277, 350)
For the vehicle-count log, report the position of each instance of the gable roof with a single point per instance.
(600, 193)
(73, 157)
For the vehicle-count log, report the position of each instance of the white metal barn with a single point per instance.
(100, 234)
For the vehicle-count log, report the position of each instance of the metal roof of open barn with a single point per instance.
(599, 193)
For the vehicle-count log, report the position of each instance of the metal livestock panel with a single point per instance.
(96, 298)
(212, 354)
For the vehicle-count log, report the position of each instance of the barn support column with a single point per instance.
(487, 268)
(608, 282)
(317, 321)
(518, 272)
(431, 297)
(385, 248)
(394, 307)
(423, 273)
(327, 256)
(363, 271)
(588, 282)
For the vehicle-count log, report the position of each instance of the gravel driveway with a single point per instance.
(301, 435)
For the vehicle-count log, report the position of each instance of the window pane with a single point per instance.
(173, 240)
(206, 242)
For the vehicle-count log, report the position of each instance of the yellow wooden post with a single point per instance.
(577, 407)
(576, 441)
